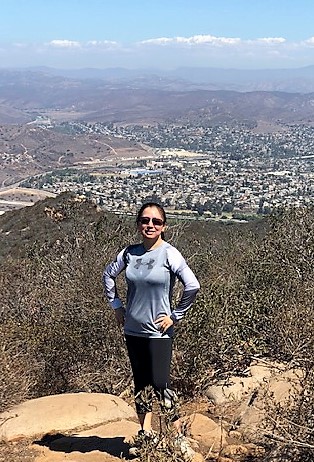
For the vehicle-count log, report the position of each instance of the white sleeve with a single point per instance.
(109, 280)
(186, 276)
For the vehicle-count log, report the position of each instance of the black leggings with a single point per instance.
(150, 361)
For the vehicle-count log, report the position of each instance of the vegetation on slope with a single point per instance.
(57, 334)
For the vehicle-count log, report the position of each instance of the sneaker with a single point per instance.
(183, 445)
(143, 437)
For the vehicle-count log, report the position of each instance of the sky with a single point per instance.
(160, 34)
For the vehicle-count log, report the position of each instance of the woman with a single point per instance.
(151, 269)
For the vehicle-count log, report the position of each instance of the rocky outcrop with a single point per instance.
(245, 399)
(83, 427)
(61, 413)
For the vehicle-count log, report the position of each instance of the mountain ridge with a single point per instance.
(24, 95)
(280, 79)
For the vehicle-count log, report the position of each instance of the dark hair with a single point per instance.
(152, 204)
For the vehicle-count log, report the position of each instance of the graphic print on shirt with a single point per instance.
(149, 263)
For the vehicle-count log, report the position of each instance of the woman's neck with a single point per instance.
(150, 244)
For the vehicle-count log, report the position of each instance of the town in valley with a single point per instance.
(194, 170)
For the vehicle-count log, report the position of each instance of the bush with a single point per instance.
(53, 305)
(256, 300)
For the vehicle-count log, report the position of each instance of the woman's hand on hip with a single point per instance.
(164, 322)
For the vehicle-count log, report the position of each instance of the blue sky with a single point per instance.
(161, 34)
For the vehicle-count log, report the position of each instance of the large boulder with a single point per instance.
(61, 413)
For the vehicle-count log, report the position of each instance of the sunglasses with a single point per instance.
(146, 220)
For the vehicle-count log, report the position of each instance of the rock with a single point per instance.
(246, 399)
(60, 413)
(103, 443)
(262, 371)
(234, 390)
(249, 418)
(284, 386)
(197, 457)
(237, 388)
(94, 427)
(208, 432)
(276, 386)
(76, 457)
(242, 450)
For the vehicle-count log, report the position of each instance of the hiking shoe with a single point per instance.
(183, 445)
(143, 438)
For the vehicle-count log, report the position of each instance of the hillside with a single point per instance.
(25, 228)
(31, 149)
(55, 218)
(257, 291)
(26, 94)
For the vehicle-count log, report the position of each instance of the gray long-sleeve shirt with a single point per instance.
(150, 277)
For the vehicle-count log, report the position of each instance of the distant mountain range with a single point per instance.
(140, 96)
(294, 80)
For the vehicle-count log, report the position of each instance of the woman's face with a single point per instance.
(151, 223)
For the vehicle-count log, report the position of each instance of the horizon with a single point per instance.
(131, 34)
(152, 69)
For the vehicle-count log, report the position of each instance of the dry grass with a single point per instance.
(58, 335)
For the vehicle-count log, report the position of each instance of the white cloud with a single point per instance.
(164, 52)
(210, 40)
(309, 41)
(64, 44)
(194, 40)
(220, 51)
(90, 44)
(272, 40)
(158, 41)
(101, 43)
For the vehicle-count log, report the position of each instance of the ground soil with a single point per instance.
(18, 451)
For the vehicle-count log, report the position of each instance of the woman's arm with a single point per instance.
(109, 280)
(190, 283)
